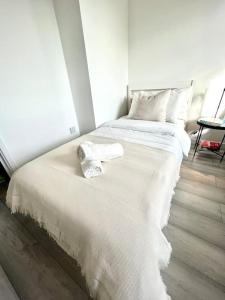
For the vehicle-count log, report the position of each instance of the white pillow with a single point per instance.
(139, 94)
(178, 105)
(150, 108)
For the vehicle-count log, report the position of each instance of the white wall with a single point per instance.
(106, 41)
(213, 96)
(36, 107)
(175, 40)
(70, 27)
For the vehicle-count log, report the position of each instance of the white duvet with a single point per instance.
(112, 224)
(162, 135)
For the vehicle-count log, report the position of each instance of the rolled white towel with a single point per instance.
(91, 168)
(85, 151)
(102, 152)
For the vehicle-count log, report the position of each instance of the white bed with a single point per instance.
(112, 225)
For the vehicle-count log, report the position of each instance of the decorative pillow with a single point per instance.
(142, 93)
(150, 108)
(178, 105)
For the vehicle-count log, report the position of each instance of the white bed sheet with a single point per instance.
(162, 135)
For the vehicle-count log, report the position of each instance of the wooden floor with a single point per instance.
(6, 290)
(196, 231)
(38, 269)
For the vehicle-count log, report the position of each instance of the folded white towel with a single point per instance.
(91, 168)
(102, 152)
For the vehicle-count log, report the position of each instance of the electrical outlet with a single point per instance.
(72, 130)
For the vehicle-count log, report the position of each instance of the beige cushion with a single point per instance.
(178, 103)
(151, 107)
(142, 93)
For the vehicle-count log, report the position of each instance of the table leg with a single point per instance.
(224, 150)
(222, 157)
(197, 137)
(197, 140)
(221, 144)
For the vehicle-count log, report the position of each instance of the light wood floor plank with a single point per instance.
(220, 182)
(34, 274)
(7, 291)
(200, 205)
(185, 283)
(203, 190)
(203, 158)
(204, 154)
(222, 207)
(197, 253)
(191, 174)
(199, 225)
(65, 261)
(205, 168)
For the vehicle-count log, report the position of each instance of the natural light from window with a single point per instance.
(213, 96)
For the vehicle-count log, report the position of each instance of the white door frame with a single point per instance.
(5, 159)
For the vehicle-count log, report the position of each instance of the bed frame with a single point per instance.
(179, 85)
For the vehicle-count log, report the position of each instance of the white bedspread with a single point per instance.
(162, 135)
(110, 224)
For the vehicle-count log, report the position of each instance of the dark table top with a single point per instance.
(208, 123)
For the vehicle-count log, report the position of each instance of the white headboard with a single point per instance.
(159, 86)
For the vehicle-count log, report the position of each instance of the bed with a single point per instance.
(111, 224)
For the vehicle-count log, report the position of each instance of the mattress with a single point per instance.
(111, 224)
